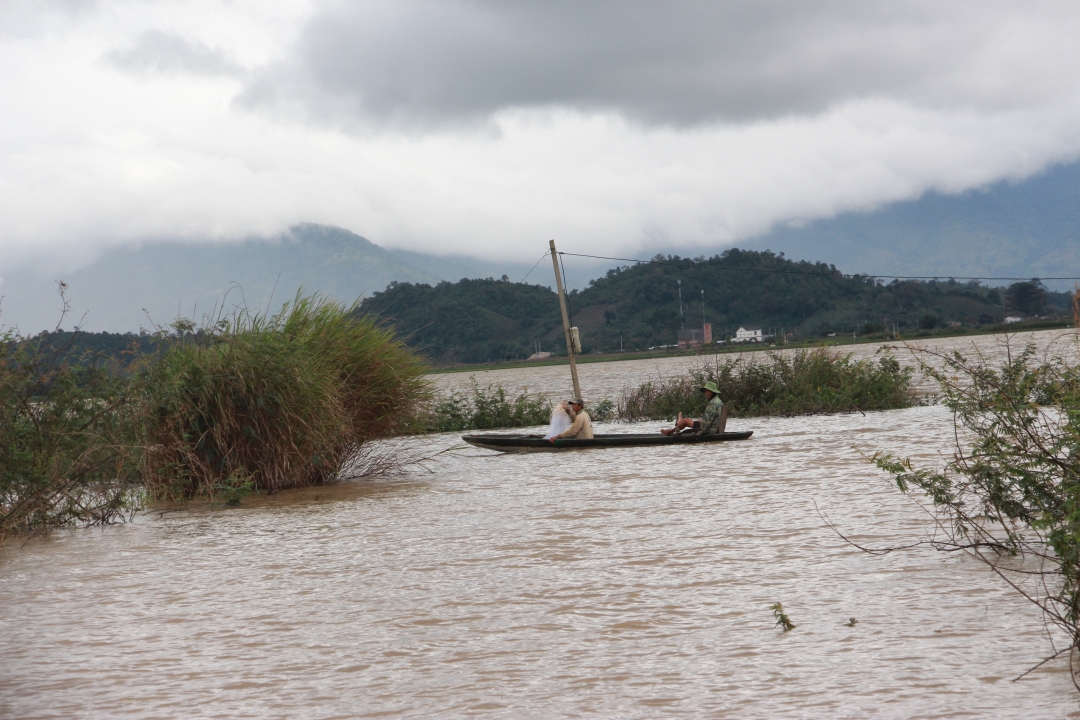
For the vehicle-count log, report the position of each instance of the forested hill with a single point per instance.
(471, 320)
(489, 320)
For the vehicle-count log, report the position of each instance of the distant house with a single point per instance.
(539, 356)
(1013, 318)
(749, 333)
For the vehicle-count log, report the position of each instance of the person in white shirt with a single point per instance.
(581, 428)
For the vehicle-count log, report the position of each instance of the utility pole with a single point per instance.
(702, 307)
(565, 320)
(680, 305)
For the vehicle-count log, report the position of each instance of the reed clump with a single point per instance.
(804, 381)
(67, 452)
(265, 402)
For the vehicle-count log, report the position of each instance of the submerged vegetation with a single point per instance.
(804, 381)
(486, 409)
(782, 620)
(252, 402)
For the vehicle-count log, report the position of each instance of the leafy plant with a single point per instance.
(234, 489)
(782, 620)
(604, 411)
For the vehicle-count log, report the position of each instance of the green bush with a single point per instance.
(804, 381)
(67, 447)
(486, 409)
(604, 411)
(270, 402)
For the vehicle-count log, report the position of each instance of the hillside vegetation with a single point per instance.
(475, 321)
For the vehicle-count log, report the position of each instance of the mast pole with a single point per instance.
(565, 320)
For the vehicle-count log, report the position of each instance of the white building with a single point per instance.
(749, 333)
(1012, 319)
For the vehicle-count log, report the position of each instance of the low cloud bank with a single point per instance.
(488, 128)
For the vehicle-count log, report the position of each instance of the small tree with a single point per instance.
(1011, 498)
(67, 448)
(1028, 297)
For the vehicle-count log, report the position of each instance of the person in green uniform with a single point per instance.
(709, 423)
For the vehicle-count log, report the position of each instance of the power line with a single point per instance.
(534, 267)
(810, 272)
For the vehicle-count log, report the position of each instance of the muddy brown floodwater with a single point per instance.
(607, 583)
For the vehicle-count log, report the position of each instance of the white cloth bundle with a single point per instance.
(560, 422)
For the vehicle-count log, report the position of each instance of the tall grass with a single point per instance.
(67, 453)
(273, 401)
(806, 381)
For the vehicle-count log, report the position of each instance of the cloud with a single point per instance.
(681, 62)
(166, 52)
(22, 20)
(488, 128)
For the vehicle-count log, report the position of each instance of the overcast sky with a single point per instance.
(489, 127)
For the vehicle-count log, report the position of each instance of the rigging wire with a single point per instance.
(534, 265)
(810, 272)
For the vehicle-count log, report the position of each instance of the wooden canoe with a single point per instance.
(537, 443)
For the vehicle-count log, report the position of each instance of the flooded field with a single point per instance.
(609, 583)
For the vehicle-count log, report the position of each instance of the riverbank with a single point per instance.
(837, 341)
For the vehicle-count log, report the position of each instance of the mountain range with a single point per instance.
(153, 283)
(1013, 229)
(1016, 229)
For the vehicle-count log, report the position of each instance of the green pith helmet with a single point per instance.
(711, 387)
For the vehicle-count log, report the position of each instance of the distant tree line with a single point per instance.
(638, 307)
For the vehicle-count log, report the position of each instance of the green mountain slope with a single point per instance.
(470, 321)
(487, 320)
